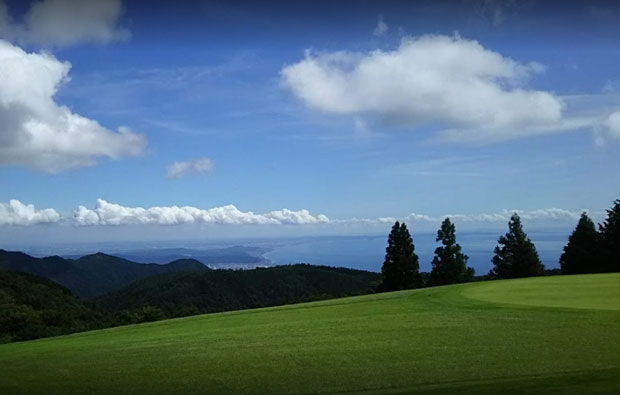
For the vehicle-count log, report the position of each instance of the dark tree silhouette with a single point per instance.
(449, 263)
(582, 253)
(515, 254)
(401, 268)
(610, 235)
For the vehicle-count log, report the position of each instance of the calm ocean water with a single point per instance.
(367, 252)
(358, 252)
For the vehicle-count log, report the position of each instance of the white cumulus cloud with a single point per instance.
(181, 168)
(106, 213)
(286, 216)
(66, 22)
(17, 213)
(447, 81)
(39, 133)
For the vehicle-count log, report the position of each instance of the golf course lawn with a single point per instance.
(557, 334)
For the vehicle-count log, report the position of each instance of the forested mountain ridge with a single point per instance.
(177, 294)
(91, 275)
(32, 307)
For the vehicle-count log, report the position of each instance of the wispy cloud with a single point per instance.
(466, 166)
(496, 10)
(136, 92)
(180, 127)
(182, 168)
(381, 27)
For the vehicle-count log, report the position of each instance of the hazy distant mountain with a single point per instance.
(92, 275)
(178, 294)
(246, 257)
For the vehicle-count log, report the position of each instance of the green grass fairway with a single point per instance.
(541, 335)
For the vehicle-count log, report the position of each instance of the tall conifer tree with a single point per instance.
(449, 263)
(515, 254)
(610, 234)
(401, 268)
(582, 253)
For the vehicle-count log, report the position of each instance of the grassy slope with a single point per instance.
(471, 338)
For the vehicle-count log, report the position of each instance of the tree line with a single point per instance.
(515, 256)
(592, 251)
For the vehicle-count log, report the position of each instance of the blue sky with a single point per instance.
(321, 106)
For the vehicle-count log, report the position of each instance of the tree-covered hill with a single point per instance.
(91, 275)
(178, 294)
(32, 307)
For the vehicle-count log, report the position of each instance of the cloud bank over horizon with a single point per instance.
(545, 214)
(105, 213)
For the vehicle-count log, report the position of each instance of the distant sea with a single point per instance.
(367, 252)
(357, 252)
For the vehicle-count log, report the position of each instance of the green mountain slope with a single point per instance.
(91, 275)
(178, 294)
(463, 339)
(33, 307)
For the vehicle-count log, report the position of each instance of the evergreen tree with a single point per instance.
(581, 254)
(610, 235)
(515, 254)
(401, 269)
(449, 263)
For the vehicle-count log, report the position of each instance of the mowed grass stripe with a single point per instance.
(462, 339)
(587, 291)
